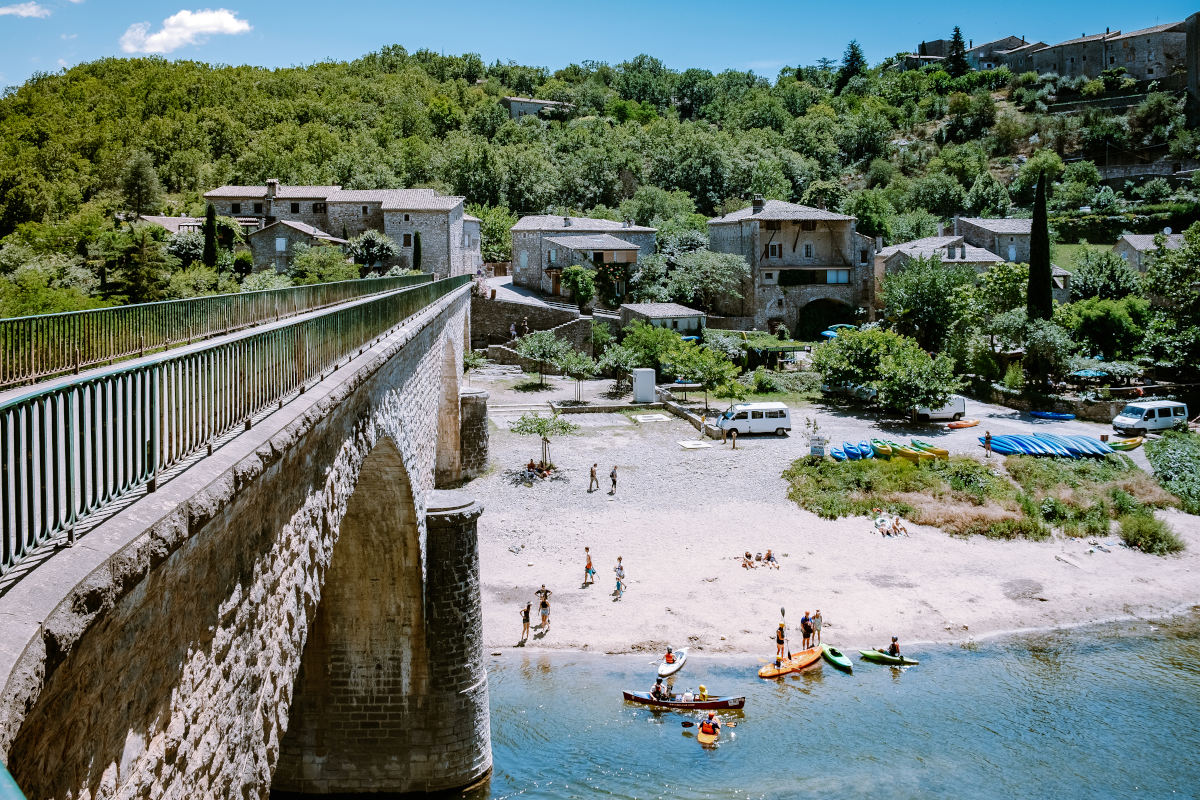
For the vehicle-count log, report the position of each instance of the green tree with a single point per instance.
(417, 250)
(1103, 274)
(902, 373)
(1002, 288)
(921, 300)
(938, 193)
(874, 212)
(1172, 282)
(139, 183)
(854, 63)
(1048, 350)
(619, 361)
(534, 424)
(320, 264)
(210, 237)
(650, 344)
(956, 57)
(187, 246)
(987, 196)
(1114, 328)
(495, 231)
(243, 264)
(144, 273)
(577, 365)
(373, 249)
(1040, 299)
(695, 364)
(579, 281)
(704, 278)
(543, 347)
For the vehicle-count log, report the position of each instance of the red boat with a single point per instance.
(711, 704)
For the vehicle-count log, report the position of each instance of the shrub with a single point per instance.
(1149, 534)
(763, 382)
(1176, 461)
(1014, 377)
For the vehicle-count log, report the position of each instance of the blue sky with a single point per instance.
(46, 35)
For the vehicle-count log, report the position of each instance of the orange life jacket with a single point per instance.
(669, 658)
(707, 728)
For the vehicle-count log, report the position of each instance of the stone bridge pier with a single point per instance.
(296, 615)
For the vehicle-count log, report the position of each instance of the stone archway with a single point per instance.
(448, 461)
(819, 315)
(365, 666)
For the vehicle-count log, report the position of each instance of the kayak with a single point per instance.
(837, 453)
(881, 448)
(670, 669)
(1051, 415)
(851, 451)
(940, 452)
(884, 658)
(865, 449)
(1095, 445)
(797, 662)
(711, 704)
(1126, 444)
(912, 454)
(835, 657)
(708, 738)
(963, 423)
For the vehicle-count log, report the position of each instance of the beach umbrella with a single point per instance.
(1089, 373)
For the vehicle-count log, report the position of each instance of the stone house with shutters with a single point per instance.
(1136, 248)
(987, 55)
(544, 245)
(1007, 238)
(808, 267)
(273, 246)
(949, 250)
(687, 321)
(447, 247)
(533, 107)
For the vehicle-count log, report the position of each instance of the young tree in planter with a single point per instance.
(210, 237)
(534, 424)
(619, 360)
(577, 365)
(543, 347)
(580, 284)
(1040, 300)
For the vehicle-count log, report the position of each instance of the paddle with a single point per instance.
(786, 645)
(687, 723)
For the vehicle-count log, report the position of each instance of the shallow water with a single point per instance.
(1111, 712)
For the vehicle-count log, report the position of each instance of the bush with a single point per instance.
(1014, 377)
(763, 382)
(1176, 461)
(1149, 534)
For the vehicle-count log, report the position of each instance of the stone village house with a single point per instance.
(808, 267)
(1137, 248)
(543, 246)
(275, 244)
(447, 244)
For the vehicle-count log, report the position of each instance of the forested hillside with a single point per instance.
(901, 150)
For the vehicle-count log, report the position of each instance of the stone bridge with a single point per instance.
(295, 614)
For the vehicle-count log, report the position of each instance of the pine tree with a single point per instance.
(956, 59)
(853, 63)
(210, 237)
(417, 250)
(140, 183)
(1040, 303)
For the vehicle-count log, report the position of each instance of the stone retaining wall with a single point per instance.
(490, 319)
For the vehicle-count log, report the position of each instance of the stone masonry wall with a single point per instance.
(169, 671)
(490, 319)
(473, 432)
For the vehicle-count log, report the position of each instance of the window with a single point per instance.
(407, 242)
(524, 253)
(1164, 413)
(808, 250)
(771, 224)
(756, 415)
(295, 208)
(808, 226)
(674, 323)
(837, 276)
(364, 211)
(862, 256)
(740, 415)
(235, 208)
(1179, 411)
(553, 255)
(280, 244)
(768, 276)
(258, 208)
(406, 218)
(318, 208)
(774, 415)
(775, 250)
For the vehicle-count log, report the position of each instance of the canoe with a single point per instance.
(837, 453)
(1126, 444)
(1074, 448)
(940, 452)
(708, 739)
(963, 423)
(865, 449)
(881, 448)
(1051, 415)
(1098, 447)
(837, 658)
(665, 670)
(851, 451)
(711, 704)
(1001, 446)
(797, 662)
(884, 658)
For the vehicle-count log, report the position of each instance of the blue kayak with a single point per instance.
(865, 449)
(1001, 446)
(851, 451)
(1074, 448)
(1051, 415)
(837, 454)
(1097, 447)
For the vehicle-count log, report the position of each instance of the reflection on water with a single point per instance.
(1092, 713)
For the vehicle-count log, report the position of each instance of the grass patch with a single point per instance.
(1149, 534)
(1025, 498)
(1176, 460)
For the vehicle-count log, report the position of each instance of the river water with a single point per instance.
(1101, 712)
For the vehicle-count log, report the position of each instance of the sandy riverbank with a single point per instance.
(681, 518)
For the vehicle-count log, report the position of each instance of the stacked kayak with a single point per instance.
(1046, 444)
(911, 453)
(926, 447)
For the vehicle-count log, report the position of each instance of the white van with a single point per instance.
(757, 418)
(955, 409)
(1150, 415)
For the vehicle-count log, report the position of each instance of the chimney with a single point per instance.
(272, 187)
(757, 204)
(566, 222)
(962, 249)
(941, 230)
(878, 243)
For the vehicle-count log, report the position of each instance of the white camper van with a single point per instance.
(1150, 415)
(757, 418)
(955, 409)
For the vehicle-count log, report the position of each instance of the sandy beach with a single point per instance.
(682, 518)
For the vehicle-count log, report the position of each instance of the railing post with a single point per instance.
(152, 441)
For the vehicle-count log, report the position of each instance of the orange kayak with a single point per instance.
(797, 662)
(963, 423)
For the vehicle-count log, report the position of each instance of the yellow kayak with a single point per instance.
(926, 447)
(1126, 444)
(904, 451)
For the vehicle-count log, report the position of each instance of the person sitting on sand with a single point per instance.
(669, 658)
(898, 528)
(747, 561)
(769, 559)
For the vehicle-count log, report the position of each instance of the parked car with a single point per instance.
(757, 418)
(955, 409)
(1150, 415)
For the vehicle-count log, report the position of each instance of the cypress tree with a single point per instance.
(1041, 300)
(417, 250)
(853, 63)
(956, 59)
(210, 237)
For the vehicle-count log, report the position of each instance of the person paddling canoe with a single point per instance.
(669, 658)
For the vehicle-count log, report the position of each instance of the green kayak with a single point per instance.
(884, 658)
(835, 657)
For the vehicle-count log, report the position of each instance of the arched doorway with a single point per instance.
(819, 315)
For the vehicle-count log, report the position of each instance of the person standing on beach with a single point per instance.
(619, 569)
(817, 623)
(806, 630)
(544, 606)
(525, 622)
(987, 444)
(594, 482)
(780, 638)
(588, 572)
(613, 477)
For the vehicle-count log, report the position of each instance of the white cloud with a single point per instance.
(62, 62)
(24, 10)
(181, 29)
(68, 36)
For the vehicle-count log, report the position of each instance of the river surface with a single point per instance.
(1089, 713)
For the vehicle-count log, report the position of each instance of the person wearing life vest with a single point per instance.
(669, 658)
(703, 693)
(780, 638)
(711, 725)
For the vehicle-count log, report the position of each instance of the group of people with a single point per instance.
(589, 573)
(594, 481)
(512, 328)
(660, 691)
(543, 595)
(754, 561)
(810, 632)
(535, 470)
(885, 528)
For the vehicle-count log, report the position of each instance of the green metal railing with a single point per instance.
(35, 348)
(68, 451)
